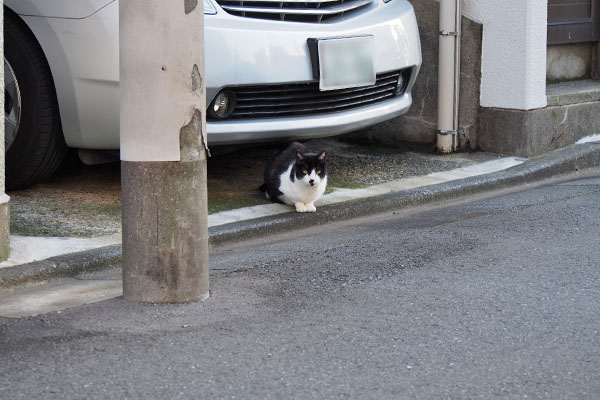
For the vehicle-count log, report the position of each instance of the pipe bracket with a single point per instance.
(447, 132)
(447, 33)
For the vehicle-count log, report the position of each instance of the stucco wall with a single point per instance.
(513, 67)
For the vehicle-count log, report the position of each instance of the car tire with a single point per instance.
(34, 143)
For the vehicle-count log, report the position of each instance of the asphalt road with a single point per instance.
(495, 297)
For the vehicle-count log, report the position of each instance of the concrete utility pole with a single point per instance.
(4, 199)
(163, 151)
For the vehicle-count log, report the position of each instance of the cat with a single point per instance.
(297, 177)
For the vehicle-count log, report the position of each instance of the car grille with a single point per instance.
(306, 98)
(292, 10)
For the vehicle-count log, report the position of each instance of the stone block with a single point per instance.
(534, 132)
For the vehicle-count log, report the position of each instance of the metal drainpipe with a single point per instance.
(449, 75)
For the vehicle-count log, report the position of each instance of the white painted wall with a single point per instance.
(513, 70)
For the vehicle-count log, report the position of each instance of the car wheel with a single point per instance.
(34, 143)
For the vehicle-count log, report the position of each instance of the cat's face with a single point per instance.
(311, 168)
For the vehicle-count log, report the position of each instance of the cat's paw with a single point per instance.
(305, 207)
(301, 207)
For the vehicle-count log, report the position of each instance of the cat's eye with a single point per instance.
(318, 172)
(305, 172)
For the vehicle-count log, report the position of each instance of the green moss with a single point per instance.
(224, 200)
(337, 183)
(4, 252)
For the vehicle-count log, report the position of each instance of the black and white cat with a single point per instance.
(296, 176)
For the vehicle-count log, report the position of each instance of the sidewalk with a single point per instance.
(432, 178)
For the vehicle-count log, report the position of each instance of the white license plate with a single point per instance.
(346, 62)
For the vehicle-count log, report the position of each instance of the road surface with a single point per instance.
(495, 297)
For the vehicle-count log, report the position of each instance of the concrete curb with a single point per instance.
(61, 266)
(559, 162)
(563, 161)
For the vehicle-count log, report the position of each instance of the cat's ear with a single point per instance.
(322, 157)
(299, 157)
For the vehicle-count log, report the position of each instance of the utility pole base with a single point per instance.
(4, 227)
(165, 234)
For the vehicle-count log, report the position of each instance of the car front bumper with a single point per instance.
(244, 52)
(267, 129)
(239, 52)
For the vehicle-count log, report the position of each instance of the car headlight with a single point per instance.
(209, 8)
(223, 104)
(402, 82)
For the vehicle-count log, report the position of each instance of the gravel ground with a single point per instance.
(371, 165)
(84, 201)
(78, 201)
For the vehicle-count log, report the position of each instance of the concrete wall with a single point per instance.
(4, 210)
(567, 62)
(420, 124)
(503, 66)
(504, 107)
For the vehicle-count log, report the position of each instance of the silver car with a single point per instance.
(274, 71)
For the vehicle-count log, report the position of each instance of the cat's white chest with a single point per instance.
(299, 190)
